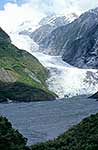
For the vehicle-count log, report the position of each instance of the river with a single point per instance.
(40, 121)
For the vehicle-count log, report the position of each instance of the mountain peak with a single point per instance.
(71, 16)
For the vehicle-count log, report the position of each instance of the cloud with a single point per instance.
(59, 6)
(14, 14)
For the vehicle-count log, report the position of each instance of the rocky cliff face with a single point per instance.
(77, 42)
(83, 52)
(49, 24)
(46, 26)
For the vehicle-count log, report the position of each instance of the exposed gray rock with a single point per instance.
(77, 42)
(47, 25)
(6, 76)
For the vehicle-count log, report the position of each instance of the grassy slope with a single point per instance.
(83, 136)
(23, 69)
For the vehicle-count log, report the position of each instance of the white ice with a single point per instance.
(64, 79)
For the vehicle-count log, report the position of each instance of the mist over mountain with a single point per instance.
(34, 10)
(47, 25)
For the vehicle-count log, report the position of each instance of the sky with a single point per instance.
(14, 12)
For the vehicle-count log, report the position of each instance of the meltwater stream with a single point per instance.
(40, 121)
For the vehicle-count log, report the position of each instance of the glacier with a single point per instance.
(23, 42)
(64, 79)
(68, 81)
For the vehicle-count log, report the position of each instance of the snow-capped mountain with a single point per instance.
(49, 24)
(27, 33)
(64, 79)
(58, 20)
(45, 26)
(77, 41)
(53, 20)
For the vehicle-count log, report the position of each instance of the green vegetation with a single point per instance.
(18, 67)
(21, 92)
(83, 136)
(10, 139)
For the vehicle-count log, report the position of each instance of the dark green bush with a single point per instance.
(10, 139)
(83, 136)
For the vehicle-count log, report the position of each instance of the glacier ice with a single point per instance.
(64, 79)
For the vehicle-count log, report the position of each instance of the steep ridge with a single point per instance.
(47, 25)
(77, 41)
(22, 77)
